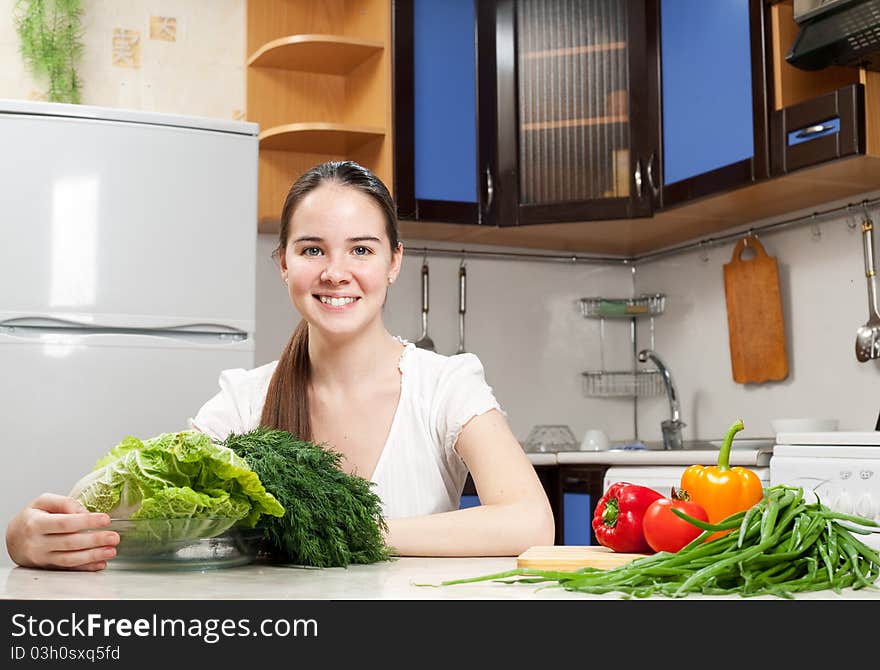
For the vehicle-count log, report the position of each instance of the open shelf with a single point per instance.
(319, 86)
(318, 137)
(327, 54)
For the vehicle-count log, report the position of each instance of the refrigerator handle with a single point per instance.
(37, 327)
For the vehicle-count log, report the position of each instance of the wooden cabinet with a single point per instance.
(713, 98)
(503, 120)
(319, 86)
(534, 132)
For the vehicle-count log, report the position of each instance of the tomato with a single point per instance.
(664, 530)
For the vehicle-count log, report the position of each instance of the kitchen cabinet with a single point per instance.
(713, 102)
(818, 117)
(698, 198)
(319, 86)
(499, 111)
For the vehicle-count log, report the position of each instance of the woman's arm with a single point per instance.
(53, 531)
(514, 513)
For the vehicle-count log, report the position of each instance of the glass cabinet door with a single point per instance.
(580, 68)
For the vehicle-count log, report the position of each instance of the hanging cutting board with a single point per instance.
(754, 315)
(568, 557)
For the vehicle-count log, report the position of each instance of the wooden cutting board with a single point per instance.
(754, 315)
(568, 557)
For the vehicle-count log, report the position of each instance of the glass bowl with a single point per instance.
(182, 543)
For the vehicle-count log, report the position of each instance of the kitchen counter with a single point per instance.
(393, 580)
(754, 457)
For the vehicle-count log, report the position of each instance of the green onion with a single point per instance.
(779, 547)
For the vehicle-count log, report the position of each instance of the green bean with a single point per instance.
(780, 546)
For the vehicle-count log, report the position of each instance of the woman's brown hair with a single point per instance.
(287, 400)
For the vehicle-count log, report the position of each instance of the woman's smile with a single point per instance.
(336, 303)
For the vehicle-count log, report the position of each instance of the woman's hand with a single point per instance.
(52, 532)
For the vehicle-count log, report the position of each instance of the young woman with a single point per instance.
(412, 421)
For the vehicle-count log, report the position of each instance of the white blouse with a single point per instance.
(419, 471)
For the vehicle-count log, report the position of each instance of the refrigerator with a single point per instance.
(127, 280)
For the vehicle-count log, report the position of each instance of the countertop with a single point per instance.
(753, 456)
(392, 580)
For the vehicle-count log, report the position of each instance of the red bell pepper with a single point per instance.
(617, 521)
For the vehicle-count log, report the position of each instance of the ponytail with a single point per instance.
(287, 399)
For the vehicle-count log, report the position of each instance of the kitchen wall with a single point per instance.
(522, 317)
(824, 301)
(174, 56)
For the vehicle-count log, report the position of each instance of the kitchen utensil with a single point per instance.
(462, 299)
(595, 439)
(754, 315)
(868, 336)
(571, 557)
(550, 439)
(182, 543)
(425, 342)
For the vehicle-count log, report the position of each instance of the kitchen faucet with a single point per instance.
(672, 426)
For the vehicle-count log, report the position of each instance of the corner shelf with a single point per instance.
(317, 137)
(319, 87)
(635, 383)
(327, 54)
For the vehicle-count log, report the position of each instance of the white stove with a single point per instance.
(841, 469)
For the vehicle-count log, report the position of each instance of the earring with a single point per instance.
(390, 280)
(285, 280)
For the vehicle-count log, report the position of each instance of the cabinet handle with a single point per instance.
(638, 178)
(489, 190)
(813, 130)
(655, 189)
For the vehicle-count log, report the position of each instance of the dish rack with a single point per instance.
(632, 383)
(623, 383)
(643, 305)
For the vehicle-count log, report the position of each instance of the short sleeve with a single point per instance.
(239, 404)
(462, 394)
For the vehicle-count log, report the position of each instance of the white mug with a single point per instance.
(595, 439)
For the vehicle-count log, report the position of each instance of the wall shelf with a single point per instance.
(319, 86)
(316, 137)
(328, 54)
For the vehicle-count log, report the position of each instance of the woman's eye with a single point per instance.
(362, 251)
(311, 251)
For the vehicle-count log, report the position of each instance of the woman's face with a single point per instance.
(338, 260)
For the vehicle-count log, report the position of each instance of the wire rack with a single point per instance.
(643, 305)
(630, 383)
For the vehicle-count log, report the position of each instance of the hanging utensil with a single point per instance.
(868, 336)
(462, 299)
(425, 342)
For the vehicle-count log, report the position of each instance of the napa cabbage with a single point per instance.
(182, 475)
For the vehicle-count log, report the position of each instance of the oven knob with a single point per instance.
(866, 474)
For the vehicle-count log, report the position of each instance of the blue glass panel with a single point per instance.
(445, 108)
(469, 501)
(576, 519)
(707, 86)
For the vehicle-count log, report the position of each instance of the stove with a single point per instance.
(841, 469)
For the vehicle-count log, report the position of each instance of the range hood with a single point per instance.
(836, 32)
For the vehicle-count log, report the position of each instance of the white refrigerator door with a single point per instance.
(66, 400)
(127, 223)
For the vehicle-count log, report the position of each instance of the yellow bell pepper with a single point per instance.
(720, 489)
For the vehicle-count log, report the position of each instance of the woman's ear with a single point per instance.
(396, 261)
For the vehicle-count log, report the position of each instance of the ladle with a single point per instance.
(425, 342)
(868, 336)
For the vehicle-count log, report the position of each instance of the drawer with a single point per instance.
(822, 129)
